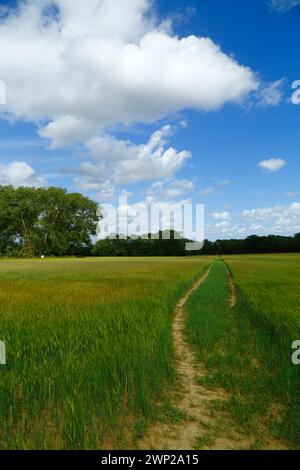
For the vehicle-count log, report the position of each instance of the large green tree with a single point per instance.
(47, 221)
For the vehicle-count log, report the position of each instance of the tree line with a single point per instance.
(141, 246)
(52, 222)
(254, 244)
(176, 247)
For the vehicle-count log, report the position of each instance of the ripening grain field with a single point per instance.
(90, 353)
(89, 348)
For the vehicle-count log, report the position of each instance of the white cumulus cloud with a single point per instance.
(123, 162)
(272, 165)
(19, 174)
(284, 218)
(96, 63)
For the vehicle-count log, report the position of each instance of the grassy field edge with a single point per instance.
(244, 355)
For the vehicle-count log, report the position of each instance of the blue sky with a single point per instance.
(209, 80)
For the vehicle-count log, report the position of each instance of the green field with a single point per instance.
(89, 348)
(270, 287)
(271, 284)
(90, 357)
(247, 349)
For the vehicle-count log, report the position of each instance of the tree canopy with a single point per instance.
(141, 246)
(48, 221)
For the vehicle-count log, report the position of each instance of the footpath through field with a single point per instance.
(199, 427)
(192, 399)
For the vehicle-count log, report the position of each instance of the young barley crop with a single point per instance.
(89, 348)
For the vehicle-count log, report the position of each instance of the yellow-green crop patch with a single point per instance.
(89, 348)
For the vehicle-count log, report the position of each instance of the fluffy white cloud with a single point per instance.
(283, 218)
(66, 130)
(284, 5)
(101, 62)
(278, 220)
(125, 20)
(272, 165)
(123, 162)
(226, 230)
(222, 216)
(19, 174)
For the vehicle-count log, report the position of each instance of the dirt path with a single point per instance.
(233, 290)
(192, 399)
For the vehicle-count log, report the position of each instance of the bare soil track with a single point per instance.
(233, 290)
